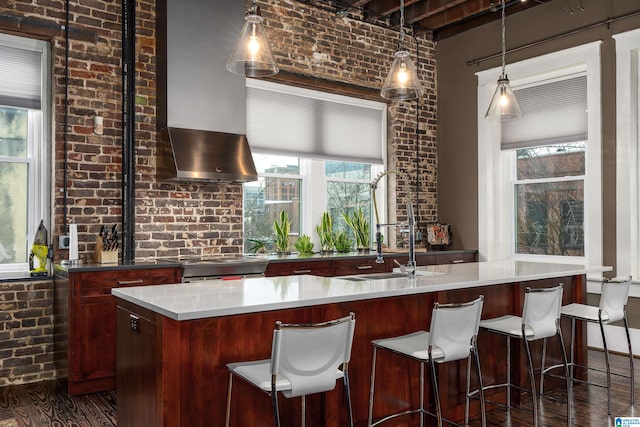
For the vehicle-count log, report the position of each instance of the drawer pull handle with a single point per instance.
(302, 271)
(130, 282)
(457, 261)
(364, 267)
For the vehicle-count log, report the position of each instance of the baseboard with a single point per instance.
(616, 339)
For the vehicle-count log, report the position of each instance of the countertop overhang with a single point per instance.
(216, 298)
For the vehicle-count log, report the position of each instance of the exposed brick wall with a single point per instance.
(26, 332)
(174, 219)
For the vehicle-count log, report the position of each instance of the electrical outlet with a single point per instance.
(63, 242)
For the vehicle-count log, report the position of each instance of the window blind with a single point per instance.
(552, 113)
(20, 77)
(305, 123)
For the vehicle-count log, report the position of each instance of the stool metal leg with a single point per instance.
(347, 390)
(544, 355)
(226, 423)
(373, 379)
(568, 379)
(434, 382)
(607, 364)
(631, 371)
(532, 379)
(509, 373)
(304, 410)
(274, 399)
(483, 412)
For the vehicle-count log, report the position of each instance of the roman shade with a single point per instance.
(20, 77)
(299, 122)
(552, 113)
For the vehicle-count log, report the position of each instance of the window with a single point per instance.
(628, 155)
(24, 153)
(549, 200)
(533, 171)
(314, 152)
(337, 187)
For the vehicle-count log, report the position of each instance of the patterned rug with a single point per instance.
(9, 423)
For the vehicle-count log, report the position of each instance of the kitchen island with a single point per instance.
(174, 341)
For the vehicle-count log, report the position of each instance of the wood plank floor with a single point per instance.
(46, 404)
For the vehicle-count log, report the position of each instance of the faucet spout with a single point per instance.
(411, 264)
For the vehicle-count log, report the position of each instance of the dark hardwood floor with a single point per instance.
(46, 404)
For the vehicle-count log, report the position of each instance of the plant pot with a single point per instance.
(283, 252)
(364, 250)
(326, 252)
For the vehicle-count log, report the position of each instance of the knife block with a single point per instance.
(101, 256)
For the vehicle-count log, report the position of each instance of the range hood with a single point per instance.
(190, 155)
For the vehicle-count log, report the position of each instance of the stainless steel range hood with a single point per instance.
(190, 155)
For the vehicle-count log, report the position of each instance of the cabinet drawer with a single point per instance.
(95, 283)
(455, 258)
(358, 266)
(316, 268)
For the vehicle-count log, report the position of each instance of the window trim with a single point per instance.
(496, 232)
(627, 152)
(40, 153)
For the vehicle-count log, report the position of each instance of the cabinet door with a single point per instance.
(137, 377)
(294, 268)
(362, 265)
(94, 350)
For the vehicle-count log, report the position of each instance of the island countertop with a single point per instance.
(198, 300)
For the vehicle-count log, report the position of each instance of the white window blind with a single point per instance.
(552, 113)
(305, 123)
(20, 77)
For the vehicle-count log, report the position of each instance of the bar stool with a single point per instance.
(613, 300)
(540, 319)
(452, 336)
(305, 359)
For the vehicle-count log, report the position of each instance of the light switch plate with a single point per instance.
(63, 242)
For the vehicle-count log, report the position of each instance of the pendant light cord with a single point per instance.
(402, 24)
(504, 44)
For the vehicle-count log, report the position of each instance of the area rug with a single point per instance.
(9, 423)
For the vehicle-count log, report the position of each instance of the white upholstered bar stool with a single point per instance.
(452, 336)
(540, 319)
(613, 301)
(305, 359)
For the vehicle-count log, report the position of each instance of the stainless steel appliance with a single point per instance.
(221, 267)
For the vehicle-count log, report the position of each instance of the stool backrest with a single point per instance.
(309, 355)
(615, 294)
(454, 328)
(541, 312)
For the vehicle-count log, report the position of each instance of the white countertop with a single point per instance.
(215, 298)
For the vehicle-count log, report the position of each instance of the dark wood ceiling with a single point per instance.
(443, 18)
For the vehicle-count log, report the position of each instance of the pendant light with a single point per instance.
(504, 103)
(252, 56)
(402, 82)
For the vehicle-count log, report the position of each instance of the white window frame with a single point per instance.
(496, 222)
(38, 156)
(627, 153)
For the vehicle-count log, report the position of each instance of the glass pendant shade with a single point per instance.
(504, 103)
(402, 82)
(252, 56)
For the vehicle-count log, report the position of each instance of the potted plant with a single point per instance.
(282, 227)
(325, 233)
(259, 245)
(360, 227)
(343, 242)
(304, 245)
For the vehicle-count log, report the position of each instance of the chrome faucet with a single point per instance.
(411, 224)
